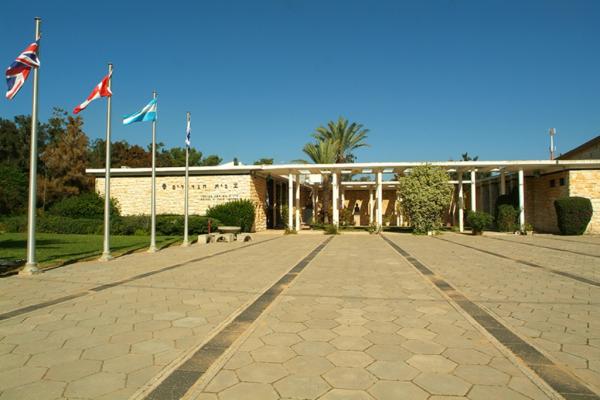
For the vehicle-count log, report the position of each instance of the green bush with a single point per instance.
(426, 194)
(234, 213)
(284, 215)
(13, 190)
(166, 225)
(53, 224)
(85, 205)
(479, 220)
(573, 214)
(511, 199)
(506, 219)
(331, 230)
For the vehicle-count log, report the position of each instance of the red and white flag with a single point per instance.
(101, 90)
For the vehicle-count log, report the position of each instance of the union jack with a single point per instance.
(17, 73)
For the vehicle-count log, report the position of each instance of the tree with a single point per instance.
(346, 137)
(15, 139)
(466, 157)
(211, 160)
(65, 159)
(13, 189)
(425, 194)
(323, 152)
(264, 161)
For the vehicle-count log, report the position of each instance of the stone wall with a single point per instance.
(586, 183)
(539, 202)
(133, 193)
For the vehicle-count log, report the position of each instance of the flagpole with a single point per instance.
(186, 241)
(152, 248)
(31, 265)
(106, 256)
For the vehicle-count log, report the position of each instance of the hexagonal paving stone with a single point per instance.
(189, 322)
(106, 351)
(351, 330)
(54, 357)
(351, 320)
(281, 339)
(349, 378)
(151, 347)
(388, 352)
(168, 316)
(467, 356)
(308, 348)
(172, 333)
(95, 385)
(20, 376)
(393, 370)
(238, 360)
(423, 347)
(11, 361)
(302, 387)
(73, 370)
(277, 354)
(384, 390)
(344, 394)
(308, 365)
(131, 337)
(417, 333)
(494, 392)
(262, 372)
(128, 363)
(351, 343)
(481, 374)
(443, 384)
(385, 338)
(222, 381)
(431, 363)
(350, 359)
(317, 335)
(249, 391)
(42, 390)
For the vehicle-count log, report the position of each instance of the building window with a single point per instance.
(552, 183)
(562, 181)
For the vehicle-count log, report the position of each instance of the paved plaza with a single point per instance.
(309, 316)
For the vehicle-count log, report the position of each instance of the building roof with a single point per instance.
(590, 143)
(529, 166)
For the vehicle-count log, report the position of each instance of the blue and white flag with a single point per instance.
(147, 114)
(188, 133)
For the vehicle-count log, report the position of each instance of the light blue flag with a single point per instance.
(147, 114)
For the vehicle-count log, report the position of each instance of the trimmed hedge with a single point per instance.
(479, 220)
(86, 205)
(506, 218)
(234, 213)
(167, 225)
(511, 199)
(573, 214)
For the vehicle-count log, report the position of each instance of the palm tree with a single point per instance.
(322, 152)
(346, 137)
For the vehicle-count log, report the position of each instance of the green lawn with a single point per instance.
(55, 249)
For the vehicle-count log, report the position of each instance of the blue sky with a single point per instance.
(429, 79)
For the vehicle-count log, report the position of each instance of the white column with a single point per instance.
(502, 182)
(396, 209)
(461, 204)
(521, 200)
(379, 195)
(291, 202)
(298, 202)
(334, 201)
(371, 206)
(316, 202)
(473, 191)
(343, 202)
(274, 204)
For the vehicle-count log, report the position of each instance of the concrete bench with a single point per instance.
(224, 237)
(243, 237)
(206, 238)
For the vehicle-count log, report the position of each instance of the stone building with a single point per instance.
(318, 189)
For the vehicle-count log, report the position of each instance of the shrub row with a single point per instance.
(234, 213)
(85, 205)
(168, 225)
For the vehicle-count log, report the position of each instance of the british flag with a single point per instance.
(17, 73)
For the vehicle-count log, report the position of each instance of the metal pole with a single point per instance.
(552, 133)
(186, 241)
(106, 250)
(31, 265)
(152, 248)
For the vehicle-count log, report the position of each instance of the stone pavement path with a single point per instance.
(558, 315)
(106, 345)
(361, 323)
